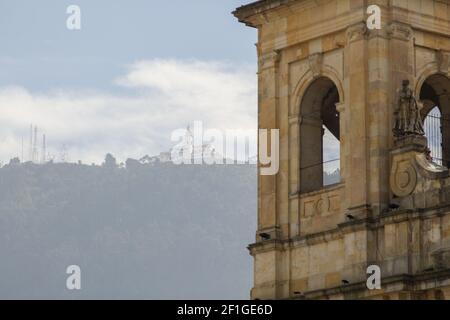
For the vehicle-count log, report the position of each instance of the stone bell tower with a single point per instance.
(323, 71)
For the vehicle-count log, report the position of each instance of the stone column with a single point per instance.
(355, 80)
(294, 170)
(268, 259)
(378, 116)
(267, 119)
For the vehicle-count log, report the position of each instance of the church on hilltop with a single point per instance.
(378, 80)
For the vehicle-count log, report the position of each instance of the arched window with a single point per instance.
(435, 95)
(319, 136)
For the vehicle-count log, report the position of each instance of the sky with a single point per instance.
(135, 72)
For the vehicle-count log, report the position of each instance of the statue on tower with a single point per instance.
(407, 114)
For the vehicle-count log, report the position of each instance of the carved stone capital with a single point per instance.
(357, 32)
(295, 120)
(311, 121)
(269, 59)
(340, 107)
(399, 31)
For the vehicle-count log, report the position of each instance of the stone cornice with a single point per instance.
(399, 25)
(422, 280)
(340, 23)
(247, 14)
(252, 13)
(420, 21)
(390, 217)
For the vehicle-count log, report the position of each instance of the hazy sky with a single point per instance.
(135, 71)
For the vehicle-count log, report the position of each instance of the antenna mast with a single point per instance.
(44, 147)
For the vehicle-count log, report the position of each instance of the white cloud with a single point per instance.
(164, 95)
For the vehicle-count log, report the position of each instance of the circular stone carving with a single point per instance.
(322, 206)
(319, 206)
(403, 178)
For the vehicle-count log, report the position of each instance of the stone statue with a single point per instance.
(407, 114)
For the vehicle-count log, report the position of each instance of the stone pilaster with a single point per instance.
(355, 79)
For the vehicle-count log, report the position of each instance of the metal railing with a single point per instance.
(434, 124)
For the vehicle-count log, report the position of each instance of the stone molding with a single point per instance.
(399, 31)
(357, 32)
(269, 60)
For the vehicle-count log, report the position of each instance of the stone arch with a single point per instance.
(434, 91)
(308, 78)
(426, 72)
(319, 120)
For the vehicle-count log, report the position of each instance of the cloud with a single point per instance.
(160, 96)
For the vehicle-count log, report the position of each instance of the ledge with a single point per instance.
(243, 13)
(387, 218)
(409, 282)
(258, 12)
(325, 189)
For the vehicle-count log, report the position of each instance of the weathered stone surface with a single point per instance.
(392, 206)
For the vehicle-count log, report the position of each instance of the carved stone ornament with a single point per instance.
(403, 178)
(322, 206)
(269, 59)
(357, 32)
(407, 119)
(399, 31)
(315, 64)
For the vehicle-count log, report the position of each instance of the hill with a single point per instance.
(142, 231)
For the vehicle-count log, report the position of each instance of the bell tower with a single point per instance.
(363, 178)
